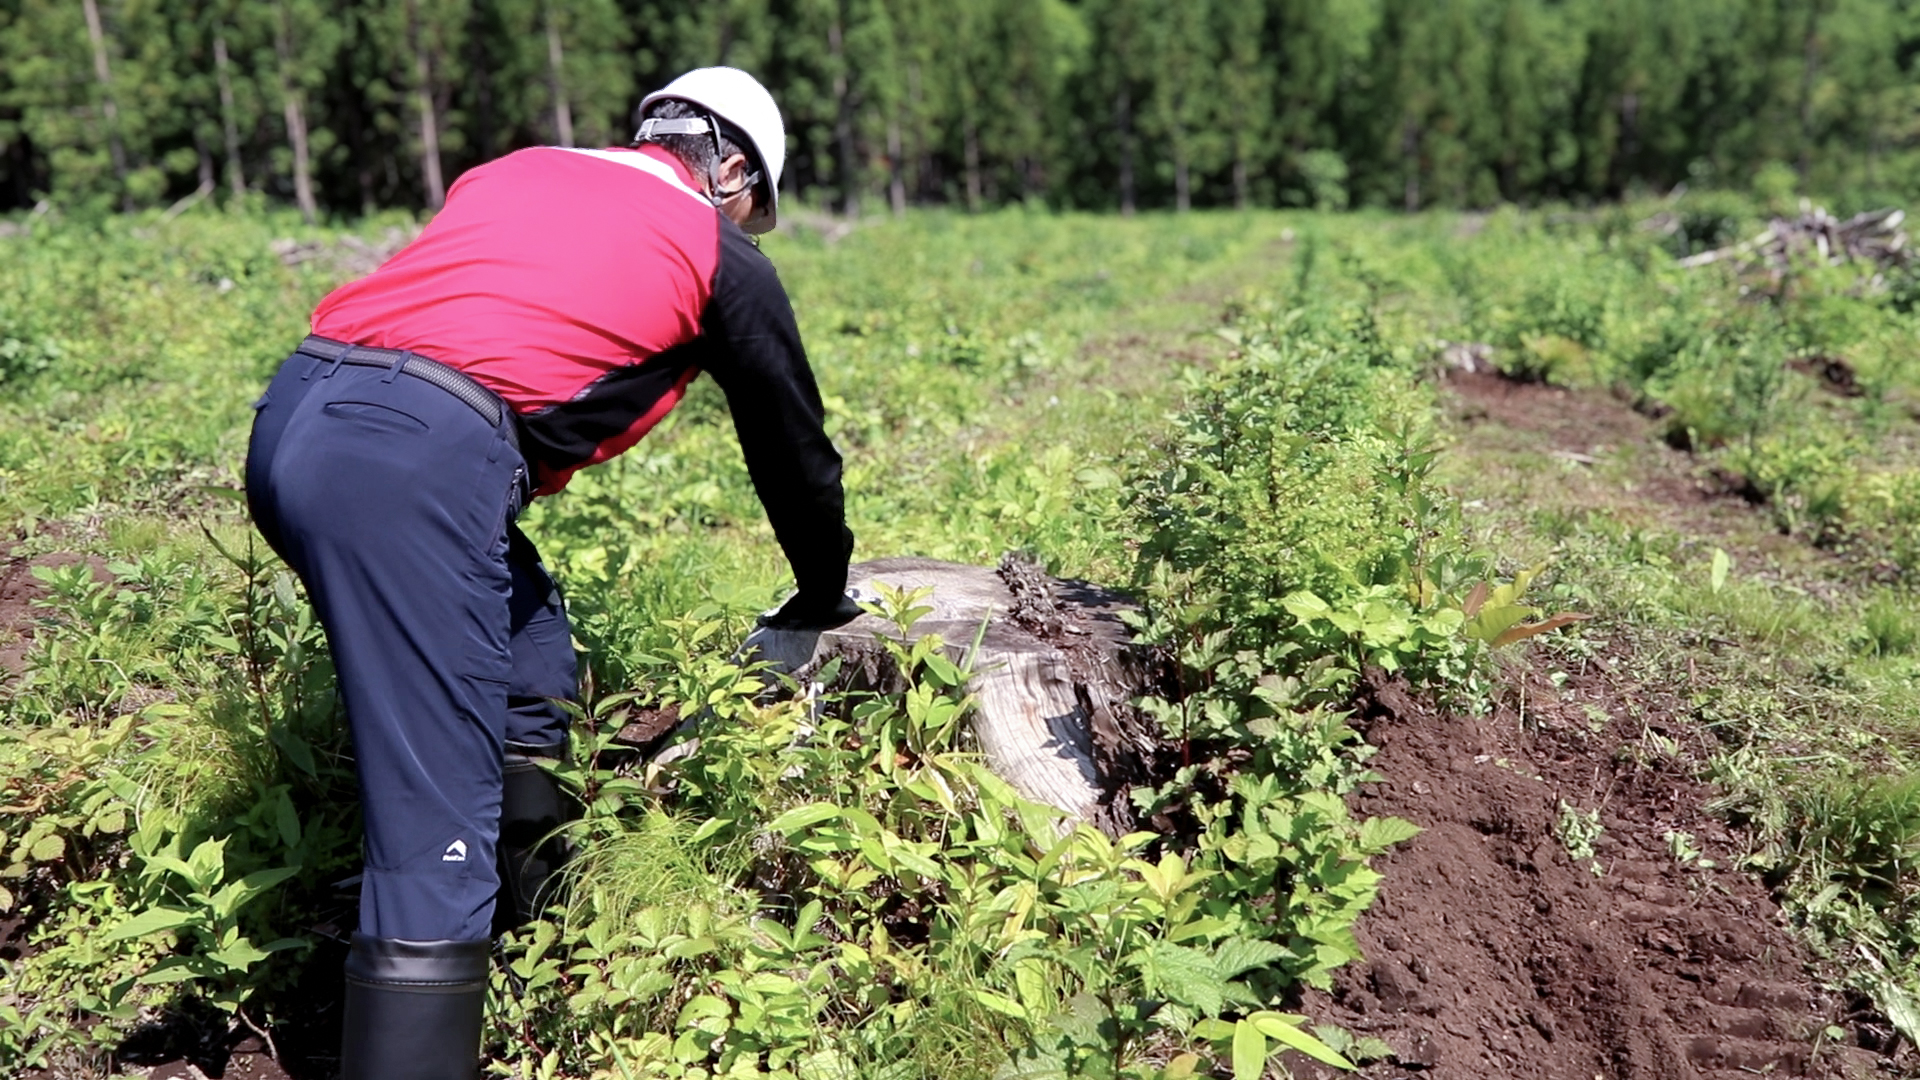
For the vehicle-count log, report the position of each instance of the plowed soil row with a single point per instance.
(1511, 940)
(1495, 951)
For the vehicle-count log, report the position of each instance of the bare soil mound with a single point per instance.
(1582, 426)
(19, 612)
(18, 591)
(1495, 950)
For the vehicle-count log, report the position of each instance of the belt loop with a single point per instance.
(393, 372)
(339, 359)
(314, 364)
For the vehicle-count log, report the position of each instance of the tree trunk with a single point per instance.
(1182, 179)
(1410, 153)
(293, 104)
(1240, 197)
(971, 136)
(923, 165)
(1629, 166)
(844, 162)
(362, 157)
(562, 111)
(229, 123)
(109, 109)
(1123, 127)
(897, 180)
(480, 85)
(1054, 678)
(204, 159)
(1809, 75)
(431, 183)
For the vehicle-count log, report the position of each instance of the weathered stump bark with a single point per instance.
(1054, 678)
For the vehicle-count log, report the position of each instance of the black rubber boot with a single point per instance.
(533, 806)
(413, 1009)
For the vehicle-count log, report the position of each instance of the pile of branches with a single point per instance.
(346, 255)
(1815, 236)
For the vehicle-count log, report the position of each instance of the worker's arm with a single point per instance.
(759, 362)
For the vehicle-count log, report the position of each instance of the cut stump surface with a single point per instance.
(1054, 677)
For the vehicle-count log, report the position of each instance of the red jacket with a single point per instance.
(587, 288)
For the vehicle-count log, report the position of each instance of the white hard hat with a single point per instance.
(738, 98)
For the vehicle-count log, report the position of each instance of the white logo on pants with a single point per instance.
(456, 852)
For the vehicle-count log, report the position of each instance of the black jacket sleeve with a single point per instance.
(757, 359)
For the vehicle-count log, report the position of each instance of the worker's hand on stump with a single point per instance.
(803, 612)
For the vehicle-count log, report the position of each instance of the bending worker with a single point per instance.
(550, 315)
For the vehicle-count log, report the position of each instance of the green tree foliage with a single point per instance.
(345, 106)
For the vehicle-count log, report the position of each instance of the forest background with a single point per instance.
(345, 106)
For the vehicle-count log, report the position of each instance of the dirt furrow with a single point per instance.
(1571, 911)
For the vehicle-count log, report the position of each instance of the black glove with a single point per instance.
(803, 612)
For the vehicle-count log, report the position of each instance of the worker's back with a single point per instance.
(572, 283)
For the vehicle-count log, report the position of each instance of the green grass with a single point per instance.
(1230, 413)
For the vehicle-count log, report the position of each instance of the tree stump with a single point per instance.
(1054, 680)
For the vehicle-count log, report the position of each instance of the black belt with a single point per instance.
(452, 380)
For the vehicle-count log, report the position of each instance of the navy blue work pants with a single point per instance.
(393, 500)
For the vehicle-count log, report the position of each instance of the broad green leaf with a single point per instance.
(803, 817)
(1249, 1051)
(239, 956)
(296, 749)
(238, 894)
(1206, 926)
(1212, 1029)
(1031, 980)
(1899, 1007)
(1306, 607)
(1495, 619)
(174, 969)
(1380, 833)
(916, 862)
(1185, 975)
(206, 864)
(48, 848)
(1286, 1034)
(701, 1006)
(1035, 1064)
(1237, 956)
(151, 921)
(708, 829)
(862, 823)
(1001, 1004)
(1717, 576)
(286, 820)
(943, 669)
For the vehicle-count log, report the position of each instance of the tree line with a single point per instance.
(346, 106)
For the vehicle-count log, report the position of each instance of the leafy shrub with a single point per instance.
(1709, 220)
(1803, 477)
(1889, 511)
(152, 840)
(1725, 385)
(875, 900)
(1277, 477)
(1890, 626)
